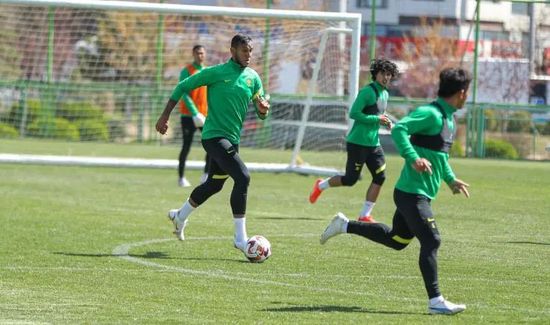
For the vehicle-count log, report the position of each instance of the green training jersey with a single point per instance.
(365, 113)
(426, 120)
(230, 89)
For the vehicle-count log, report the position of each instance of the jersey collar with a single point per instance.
(448, 108)
(378, 85)
(235, 64)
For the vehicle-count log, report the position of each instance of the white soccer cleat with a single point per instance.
(178, 225)
(336, 226)
(445, 307)
(183, 182)
(240, 245)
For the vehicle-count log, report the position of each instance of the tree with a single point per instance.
(426, 51)
(127, 43)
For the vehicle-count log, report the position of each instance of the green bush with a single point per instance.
(57, 128)
(495, 148)
(519, 122)
(34, 110)
(93, 130)
(546, 129)
(491, 120)
(73, 121)
(79, 110)
(8, 131)
(456, 150)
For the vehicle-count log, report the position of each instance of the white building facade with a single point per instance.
(504, 25)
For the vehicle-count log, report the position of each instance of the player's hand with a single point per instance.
(162, 124)
(459, 186)
(422, 165)
(198, 120)
(263, 105)
(385, 121)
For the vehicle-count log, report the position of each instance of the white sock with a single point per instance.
(436, 300)
(185, 211)
(323, 185)
(367, 209)
(345, 227)
(240, 230)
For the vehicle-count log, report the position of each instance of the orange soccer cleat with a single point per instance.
(367, 219)
(314, 195)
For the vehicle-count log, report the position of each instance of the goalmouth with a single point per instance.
(102, 71)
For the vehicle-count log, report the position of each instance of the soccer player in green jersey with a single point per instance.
(231, 86)
(362, 143)
(423, 139)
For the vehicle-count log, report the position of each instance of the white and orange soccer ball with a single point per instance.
(258, 249)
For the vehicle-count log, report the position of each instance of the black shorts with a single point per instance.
(359, 155)
(224, 158)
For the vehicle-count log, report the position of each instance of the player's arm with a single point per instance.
(456, 185)
(184, 86)
(365, 97)
(416, 122)
(260, 100)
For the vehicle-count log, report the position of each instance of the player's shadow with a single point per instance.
(527, 243)
(214, 259)
(289, 218)
(155, 255)
(159, 255)
(336, 309)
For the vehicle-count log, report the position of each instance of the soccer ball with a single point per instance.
(258, 249)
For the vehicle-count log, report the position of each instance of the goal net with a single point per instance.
(103, 70)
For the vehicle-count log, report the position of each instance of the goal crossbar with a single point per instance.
(190, 9)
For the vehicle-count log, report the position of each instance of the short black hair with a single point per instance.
(378, 65)
(453, 80)
(197, 47)
(240, 39)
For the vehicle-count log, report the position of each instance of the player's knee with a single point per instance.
(436, 241)
(431, 243)
(379, 179)
(349, 180)
(214, 185)
(242, 180)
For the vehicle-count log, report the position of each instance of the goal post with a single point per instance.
(311, 91)
(102, 70)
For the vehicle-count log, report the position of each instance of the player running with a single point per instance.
(231, 87)
(423, 139)
(363, 143)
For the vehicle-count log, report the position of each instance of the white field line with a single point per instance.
(122, 251)
(12, 158)
(41, 269)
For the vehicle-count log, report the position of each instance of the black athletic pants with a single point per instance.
(188, 130)
(413, 218)
(224, 162)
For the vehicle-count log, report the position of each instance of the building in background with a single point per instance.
(506, 33)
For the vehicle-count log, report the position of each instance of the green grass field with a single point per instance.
(93, 245)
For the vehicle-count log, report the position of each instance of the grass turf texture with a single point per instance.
(66, 229)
